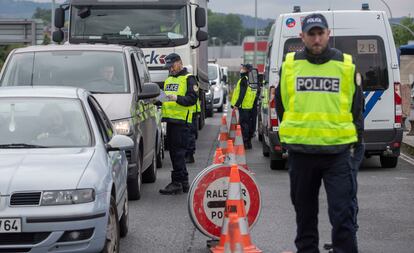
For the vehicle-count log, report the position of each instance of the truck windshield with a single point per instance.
(96, 71)
(368, 53)
(152, 27)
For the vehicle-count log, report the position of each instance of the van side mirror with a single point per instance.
(59, 17)
(149, 90)
(200, 17)
(202, 35)
(58, 36)
(224, 79)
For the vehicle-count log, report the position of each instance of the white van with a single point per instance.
(367, 36)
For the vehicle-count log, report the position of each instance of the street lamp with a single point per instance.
(388, 7)
(52, 23)
(255, 34)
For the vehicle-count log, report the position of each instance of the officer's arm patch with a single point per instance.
(195, 87)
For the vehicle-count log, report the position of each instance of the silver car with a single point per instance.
(63, 173)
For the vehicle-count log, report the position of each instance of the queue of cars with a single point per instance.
(218, 92)
(79, 128)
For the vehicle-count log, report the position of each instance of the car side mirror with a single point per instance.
(59, 17)
(200, 17)
(149, 90)
(119, 143)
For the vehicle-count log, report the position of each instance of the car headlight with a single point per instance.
(123, 127)
(67, 197)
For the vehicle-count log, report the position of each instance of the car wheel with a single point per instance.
(220, 109)
(112, 230)
(265, 149)
(150, 174)
(388, 162)
(209, 113)
(134, 184)
(124, 222)
(277, 164)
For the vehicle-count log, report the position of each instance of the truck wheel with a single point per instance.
(265, 149)
(150, 174)
(277, 164)
(388, 162)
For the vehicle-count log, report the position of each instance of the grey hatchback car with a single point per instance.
(63, 173)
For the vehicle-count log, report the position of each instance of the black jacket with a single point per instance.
(190, 97)
(357, 104)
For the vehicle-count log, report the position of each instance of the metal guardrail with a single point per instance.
(21, 31)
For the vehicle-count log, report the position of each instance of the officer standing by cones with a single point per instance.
(243, 99)
(319, 102)
(181, 90)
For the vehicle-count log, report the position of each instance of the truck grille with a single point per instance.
(22, 239)
(25, 199)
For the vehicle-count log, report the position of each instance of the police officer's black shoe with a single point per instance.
(172, 189)
(186, 186)
(189, 159)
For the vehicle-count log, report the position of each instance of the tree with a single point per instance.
(228, 28)
(5, 50)
(43, 14)
(401, 35)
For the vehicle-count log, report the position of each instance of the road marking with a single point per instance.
(407, 158)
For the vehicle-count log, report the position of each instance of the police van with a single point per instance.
(367, 36)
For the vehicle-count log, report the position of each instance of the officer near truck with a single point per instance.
(319, 102)
(243, 99)
(181, 89)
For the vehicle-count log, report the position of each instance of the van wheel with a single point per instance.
(265, 149)
(388, 162)
(150, 174)
(124, 222)
(134, 184)
(277, 164)
(112, 230)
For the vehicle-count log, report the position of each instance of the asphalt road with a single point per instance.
(161, 223)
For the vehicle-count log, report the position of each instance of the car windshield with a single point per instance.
(212, 73)
(42, 122)
(96, 71)
(368, 53)
(167, 25)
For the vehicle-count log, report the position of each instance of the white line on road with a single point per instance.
(407, 158)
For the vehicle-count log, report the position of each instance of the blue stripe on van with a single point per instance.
(366, 93)
(372, 102)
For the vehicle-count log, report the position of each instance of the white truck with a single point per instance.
(367, 36)
(158, 27)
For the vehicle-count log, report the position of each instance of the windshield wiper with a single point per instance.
(20, 145)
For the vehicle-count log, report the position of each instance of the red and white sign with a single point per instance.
(208, 194)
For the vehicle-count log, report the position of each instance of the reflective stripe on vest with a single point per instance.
(249, 97)
(318, 102)
(171, 109)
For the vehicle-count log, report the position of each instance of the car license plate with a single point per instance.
(12, 225)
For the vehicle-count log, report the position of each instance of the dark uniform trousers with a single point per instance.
(245, 117)
(177, 139)
(306, 173)
(253, 120)
(192, 136)
(357, 157)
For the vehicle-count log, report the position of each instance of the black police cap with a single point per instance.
(170, 59)
(314, 20)
(248, 66)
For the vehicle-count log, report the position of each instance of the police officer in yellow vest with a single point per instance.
(181, 89)
(243, 99)
(320, 107)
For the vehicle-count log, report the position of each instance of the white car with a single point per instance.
(63, 173)
(217, 83)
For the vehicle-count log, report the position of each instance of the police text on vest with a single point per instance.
(319, 84)
(171, 87)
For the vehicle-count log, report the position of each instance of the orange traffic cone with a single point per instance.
(233, 125)
(234, 235)
(224, 135)
(218, 156)
(230, 156)
(239, 151)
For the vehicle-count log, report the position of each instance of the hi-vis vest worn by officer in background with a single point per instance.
(317, 101)
(249, 97)
(172, 110)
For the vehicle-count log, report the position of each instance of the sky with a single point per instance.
(272, 8)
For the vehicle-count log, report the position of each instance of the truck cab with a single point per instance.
(157, 27)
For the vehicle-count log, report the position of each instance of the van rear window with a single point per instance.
(368, 53)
